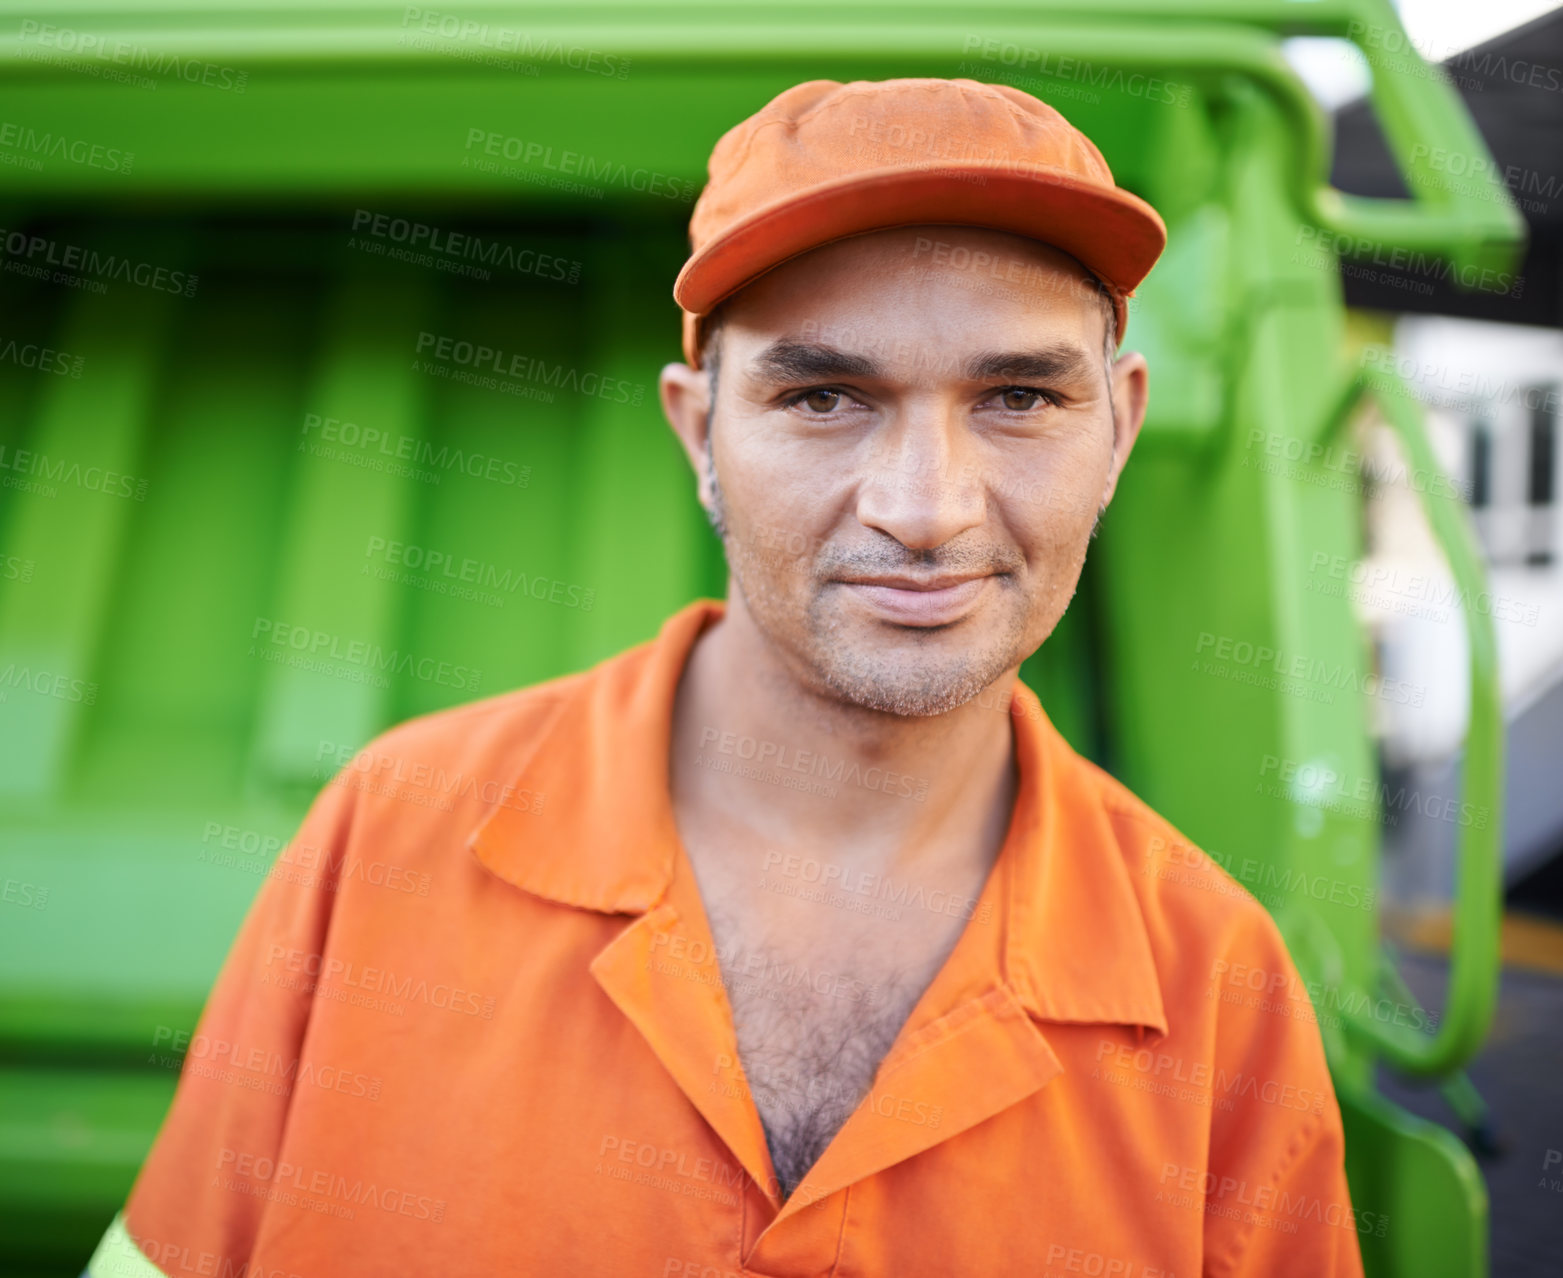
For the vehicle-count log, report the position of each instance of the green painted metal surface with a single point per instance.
(258, 505)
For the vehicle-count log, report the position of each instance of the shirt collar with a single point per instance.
(600, 834)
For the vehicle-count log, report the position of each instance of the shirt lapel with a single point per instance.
(605, 840)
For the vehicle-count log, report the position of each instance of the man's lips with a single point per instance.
(919, 601)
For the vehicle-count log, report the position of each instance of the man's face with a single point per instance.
(913, 434)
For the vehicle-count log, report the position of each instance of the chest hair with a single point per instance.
(811, 1035)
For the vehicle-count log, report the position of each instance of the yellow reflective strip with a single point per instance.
(118, 1256)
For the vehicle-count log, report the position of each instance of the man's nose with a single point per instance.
(922, 483)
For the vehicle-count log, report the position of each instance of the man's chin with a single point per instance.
(872, 679)
(923, 701)
(913, 671)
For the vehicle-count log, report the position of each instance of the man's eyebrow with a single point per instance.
(788, 361)
(1053, 363)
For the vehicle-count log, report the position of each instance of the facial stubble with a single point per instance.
(835, 658)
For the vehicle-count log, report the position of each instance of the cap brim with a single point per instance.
(1115, 235)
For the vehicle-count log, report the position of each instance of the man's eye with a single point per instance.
(1019, 399)
(819, 401)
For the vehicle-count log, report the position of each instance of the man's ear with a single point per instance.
(1131, 376)
(686, 402)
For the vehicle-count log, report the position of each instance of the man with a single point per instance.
(775, 946)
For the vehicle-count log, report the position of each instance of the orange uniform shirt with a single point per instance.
(474, 1024)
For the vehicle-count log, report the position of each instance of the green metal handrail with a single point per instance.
(1473, 975)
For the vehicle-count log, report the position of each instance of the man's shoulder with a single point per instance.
(1221, 959)
(490, 728)
(1192, 903)
(474, 750)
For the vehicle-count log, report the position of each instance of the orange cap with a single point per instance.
(825, 160)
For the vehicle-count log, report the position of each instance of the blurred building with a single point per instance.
(1487, 365)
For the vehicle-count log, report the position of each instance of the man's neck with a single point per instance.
(764, 754)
